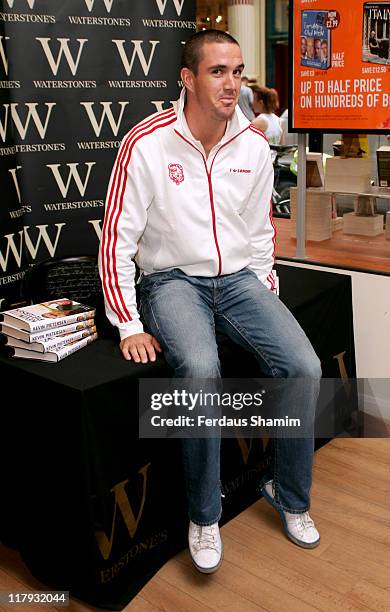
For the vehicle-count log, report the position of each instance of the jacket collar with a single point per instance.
(235, 125)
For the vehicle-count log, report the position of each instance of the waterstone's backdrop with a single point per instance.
(75, 76)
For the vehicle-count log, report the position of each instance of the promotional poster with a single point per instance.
(340, 81)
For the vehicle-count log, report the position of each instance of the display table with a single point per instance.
(93, 509)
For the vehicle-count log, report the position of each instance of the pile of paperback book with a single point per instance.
(49, 331)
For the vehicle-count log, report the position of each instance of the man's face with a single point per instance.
(310, 47)
(317, 48)
(216, 87)
(324, 51)
(303, 46)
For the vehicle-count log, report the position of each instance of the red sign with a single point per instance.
(341, 66)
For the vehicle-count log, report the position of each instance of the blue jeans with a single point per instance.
(184, 313)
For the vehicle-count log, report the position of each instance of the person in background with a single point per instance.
(245, 101)
(265, 103)
(286, 137)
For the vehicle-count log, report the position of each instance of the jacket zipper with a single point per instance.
(213, 211)
(211, 195)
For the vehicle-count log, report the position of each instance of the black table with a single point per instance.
(93, 509)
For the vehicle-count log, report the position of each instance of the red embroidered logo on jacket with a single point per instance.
(176, 173)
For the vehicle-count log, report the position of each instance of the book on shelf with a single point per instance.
(47, 315)
(52, 344)
(383, 160)
(54, 355)
(43, 336)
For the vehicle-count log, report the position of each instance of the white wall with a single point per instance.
(376, 397)
(371, 317)
(371, 306)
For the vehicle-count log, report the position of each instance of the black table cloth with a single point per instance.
(93, 509)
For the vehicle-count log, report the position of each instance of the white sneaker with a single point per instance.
(299, 528)
(206, 548)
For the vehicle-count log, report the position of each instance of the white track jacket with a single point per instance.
(170, 207)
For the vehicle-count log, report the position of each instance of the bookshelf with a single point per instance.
(321, 219)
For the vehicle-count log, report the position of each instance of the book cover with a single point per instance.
(315, 40)
(376, 28)
(53, 344)
(54, 355)
(47, 315)
(40, 336)
(383, 159)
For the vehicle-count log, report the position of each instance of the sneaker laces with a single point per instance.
(302, 521)
(205, 537)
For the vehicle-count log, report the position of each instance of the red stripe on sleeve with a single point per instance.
(114, 209)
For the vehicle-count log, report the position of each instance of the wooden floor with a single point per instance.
(262, 570)
(347, 251)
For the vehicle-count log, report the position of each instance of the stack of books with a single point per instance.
(318, 214)
(49, 331)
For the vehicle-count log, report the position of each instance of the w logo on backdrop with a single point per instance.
(63, 51)
(29, 2)
(107, 112)
(137, 52)
(72, 173)
(107, 3)
(3, 55)
(33, 239)
(13, 172)
(32, 114)
(163, 3)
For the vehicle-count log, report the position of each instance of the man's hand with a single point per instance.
(140, 348)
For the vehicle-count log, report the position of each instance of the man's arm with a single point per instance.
(258, 217)
(128, 198)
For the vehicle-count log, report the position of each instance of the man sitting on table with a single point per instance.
(189, 198)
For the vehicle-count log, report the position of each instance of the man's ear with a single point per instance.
(187, 77)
